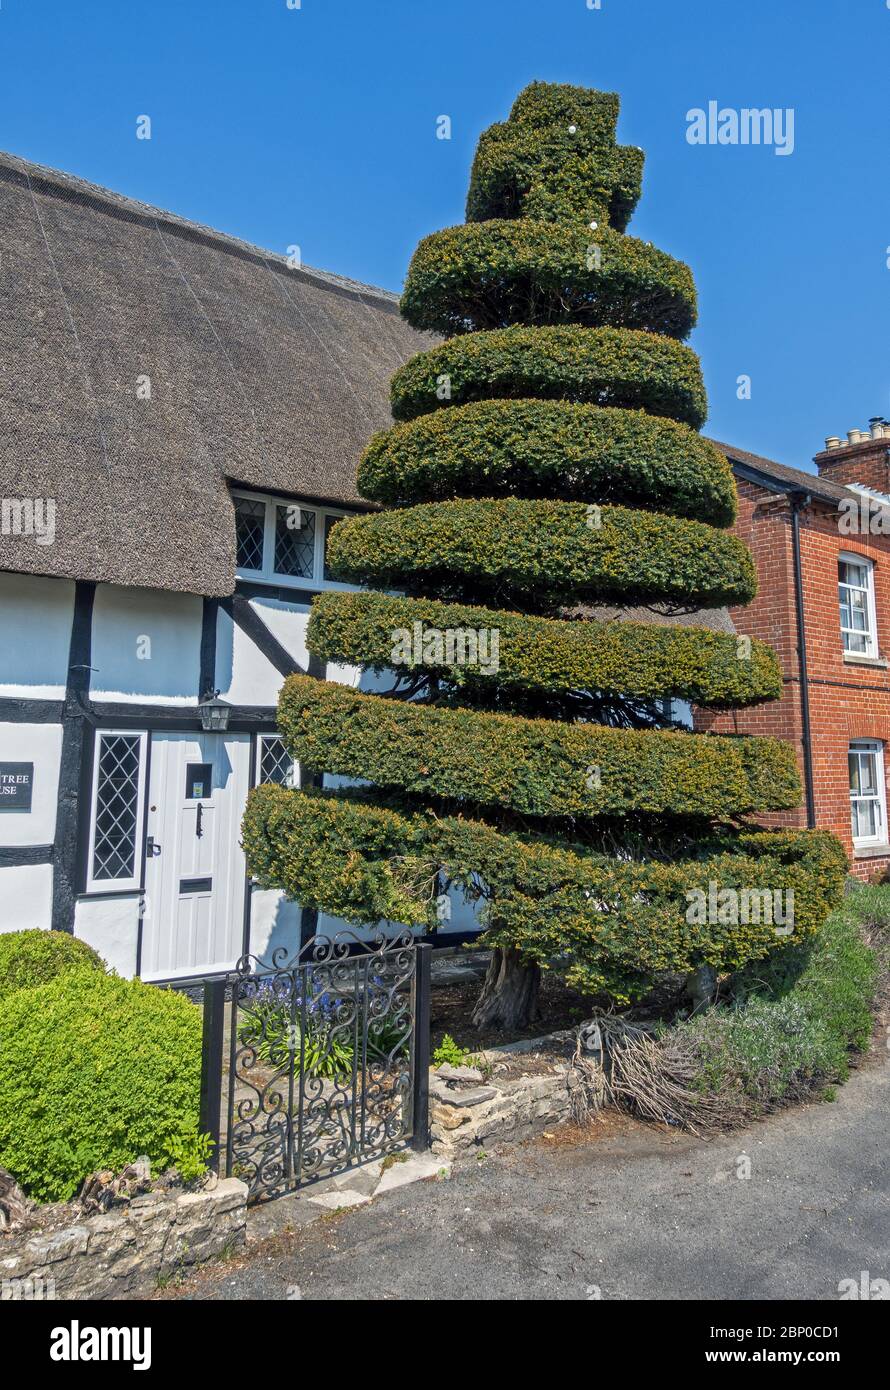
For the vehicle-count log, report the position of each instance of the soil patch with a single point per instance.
(452, 1008)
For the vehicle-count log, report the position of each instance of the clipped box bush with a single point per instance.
(35, 957)
(644, 661)
(553, 174)
(615, 925)
(538, 767)
(543, 554)
(557, 449)
(542, 105)
(599, 366)
(94, 1072)
(491, 274)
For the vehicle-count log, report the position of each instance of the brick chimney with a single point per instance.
(864, 457)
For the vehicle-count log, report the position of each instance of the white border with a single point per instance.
(871, 745)
(268, 575)
(850, 557)
(119, 885)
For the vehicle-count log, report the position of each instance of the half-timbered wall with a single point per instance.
(82, 663)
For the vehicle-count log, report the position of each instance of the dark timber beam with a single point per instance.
(73, 771)
(16, 856)
(250, 623)
(207, 678)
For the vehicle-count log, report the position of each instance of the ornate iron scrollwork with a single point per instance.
(322, 1059)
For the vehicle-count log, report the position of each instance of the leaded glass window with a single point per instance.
(275, 763)
(294, 541)
(250, 526)
(116, 808)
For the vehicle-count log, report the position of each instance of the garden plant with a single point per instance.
(544, 469)
(94, 1072)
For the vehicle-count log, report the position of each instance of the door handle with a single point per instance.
(151, 849)
(199, 822)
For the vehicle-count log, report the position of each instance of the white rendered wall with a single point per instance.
(26, 897)
(243, 675)
(274, 923)
(146, 645)
(40, 744)
(110, 924)
(35, 636)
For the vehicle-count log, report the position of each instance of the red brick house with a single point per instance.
(821, 544)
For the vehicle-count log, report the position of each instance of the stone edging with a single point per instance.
(469, 1110)
(128, 1250)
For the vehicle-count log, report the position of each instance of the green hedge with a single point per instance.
(602, 366)
(34, 957)
(554, 175)
(540, 554)
(95, 1071)
(608, 923)
(537, 767)
(492, 274)
(642, 661)
(559, 122)
(543, 104)
(550, 449)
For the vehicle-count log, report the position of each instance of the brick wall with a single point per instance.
(867, 463)
(848, 700)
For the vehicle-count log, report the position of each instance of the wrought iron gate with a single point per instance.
(327, 1059)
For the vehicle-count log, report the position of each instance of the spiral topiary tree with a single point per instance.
(545, 460)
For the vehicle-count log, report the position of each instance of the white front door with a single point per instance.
(193, 920)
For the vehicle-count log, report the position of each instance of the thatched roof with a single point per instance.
(259, 374)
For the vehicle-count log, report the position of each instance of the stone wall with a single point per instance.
(127, 1250)
(496, 1101)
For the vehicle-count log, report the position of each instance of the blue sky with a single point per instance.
(317, 126)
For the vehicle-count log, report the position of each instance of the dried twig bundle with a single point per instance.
(623, 1064)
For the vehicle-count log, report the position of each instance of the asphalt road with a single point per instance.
(624, 1213)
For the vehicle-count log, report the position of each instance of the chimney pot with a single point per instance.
(854, 436)
(832, 442)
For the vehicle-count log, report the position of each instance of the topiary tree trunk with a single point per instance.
(545, 460)
(509, 997)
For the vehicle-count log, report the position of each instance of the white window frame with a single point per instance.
(871, 638)
(134, 882)
(268, 574)
(264, 738)
(870, 747)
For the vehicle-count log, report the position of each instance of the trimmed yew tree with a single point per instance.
(545, 460)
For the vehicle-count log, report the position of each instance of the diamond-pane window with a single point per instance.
(116, 813)
(250, 526)
(294, 541)
(329, 521)
(276, 764)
